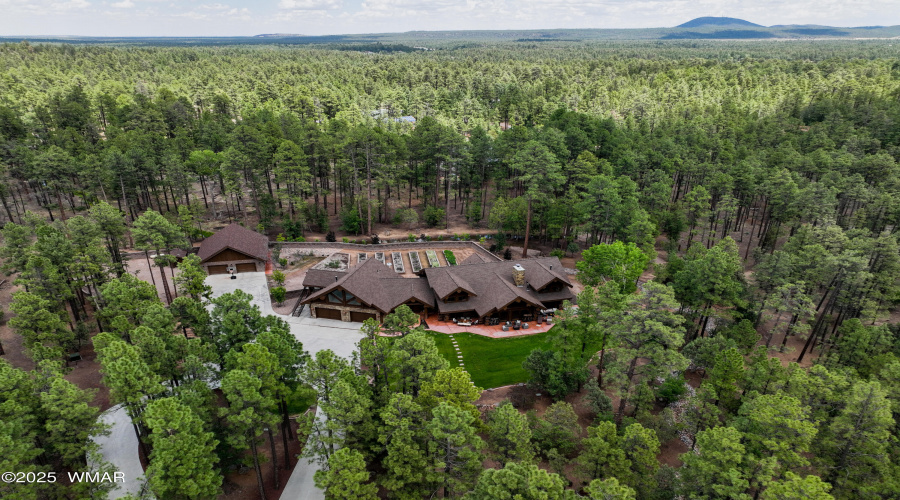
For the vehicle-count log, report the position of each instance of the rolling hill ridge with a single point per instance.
(717, 21)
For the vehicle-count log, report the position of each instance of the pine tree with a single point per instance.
(609, 489)
(453, 450)
(777, 426)
(855, 445)
(415, 359)
(453, 386)
(602, 455)
(403, 436)
(726, 375)
(519, 481)
(509, 434)
(718, 469)
(69, 422)
(151, 231)
(183, 460)
(191, 279)
(641, 446)
(794, 487)
(648, 332)
(346, 477)
(249, 410)
(129, 379)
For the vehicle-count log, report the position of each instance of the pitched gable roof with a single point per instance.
(379, 286)
(494, 286)
(475, 258)
(237, 238)
(544, 272)
(320, 278)
(444, 282)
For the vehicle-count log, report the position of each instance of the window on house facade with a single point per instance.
(556, 286)
(457, 297)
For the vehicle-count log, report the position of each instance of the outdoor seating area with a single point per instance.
(489, 327)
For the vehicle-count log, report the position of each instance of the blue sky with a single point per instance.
(321, 17)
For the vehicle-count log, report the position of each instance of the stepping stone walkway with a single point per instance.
(458, 352)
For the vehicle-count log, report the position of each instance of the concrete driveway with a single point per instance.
(315, 334)
(120, 448)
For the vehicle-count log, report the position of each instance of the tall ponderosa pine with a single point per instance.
(183, 460)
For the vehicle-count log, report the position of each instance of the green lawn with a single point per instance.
(492, 362)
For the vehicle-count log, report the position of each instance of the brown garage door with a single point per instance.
(326, 313)
(218, 269)
(246, 268)
(360, 316)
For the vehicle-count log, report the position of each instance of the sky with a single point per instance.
(326, 17)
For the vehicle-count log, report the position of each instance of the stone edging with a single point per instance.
(412, 245)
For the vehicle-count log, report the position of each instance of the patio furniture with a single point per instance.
(516, 326)
(505, 328)
(549, 320)
(464, 324)
(524, 326)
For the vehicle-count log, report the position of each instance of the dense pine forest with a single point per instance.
(732, 211)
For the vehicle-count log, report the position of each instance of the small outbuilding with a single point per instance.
(234, 249)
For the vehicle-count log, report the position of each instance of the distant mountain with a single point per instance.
(716, 21)
(277, 35)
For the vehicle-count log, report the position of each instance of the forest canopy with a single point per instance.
(732, 210)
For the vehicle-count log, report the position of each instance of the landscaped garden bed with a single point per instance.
(451, 259)
(361, 258)
(379, 256)
(432, 258)
(397, 257)
(415, 262)
(336, 261)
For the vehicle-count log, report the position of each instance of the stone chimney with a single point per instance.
(519, 275)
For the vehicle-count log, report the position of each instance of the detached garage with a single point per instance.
(217, 269)
(234, 248)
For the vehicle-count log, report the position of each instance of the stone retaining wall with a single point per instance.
(318, 248)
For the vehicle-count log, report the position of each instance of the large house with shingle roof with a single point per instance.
(234, 249)
(476, 289)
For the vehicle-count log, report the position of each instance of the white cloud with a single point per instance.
(392, 8)
(217, 11)
(310, 4)
(318, 17)
(70, 5)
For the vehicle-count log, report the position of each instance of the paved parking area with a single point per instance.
(315, 334)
